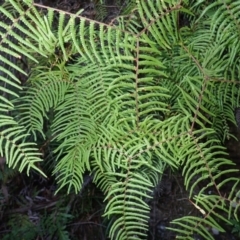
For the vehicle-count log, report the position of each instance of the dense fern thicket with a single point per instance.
(153, 89)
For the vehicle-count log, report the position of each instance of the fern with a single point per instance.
(46, 226)
(124, 101)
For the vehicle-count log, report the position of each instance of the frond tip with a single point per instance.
(18, 153)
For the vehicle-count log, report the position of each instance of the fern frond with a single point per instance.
(208, 165)
(40, 99)
(160, 20)
(132, 207)
(189, 226)
(17, 153)
(126, 101)
(211, 207)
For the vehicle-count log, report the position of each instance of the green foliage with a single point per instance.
(20, 226)
(49, 226)
(125, 101)
(236, 227)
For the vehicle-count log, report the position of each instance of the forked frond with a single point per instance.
(125, 100)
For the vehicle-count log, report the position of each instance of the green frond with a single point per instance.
(132, 208)
(204, 163)
(128, 7)
(17, 153)
(189, 226)
(69, 170)
(39, 99)
(211, 207)
(155, 88)
(160, 19)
